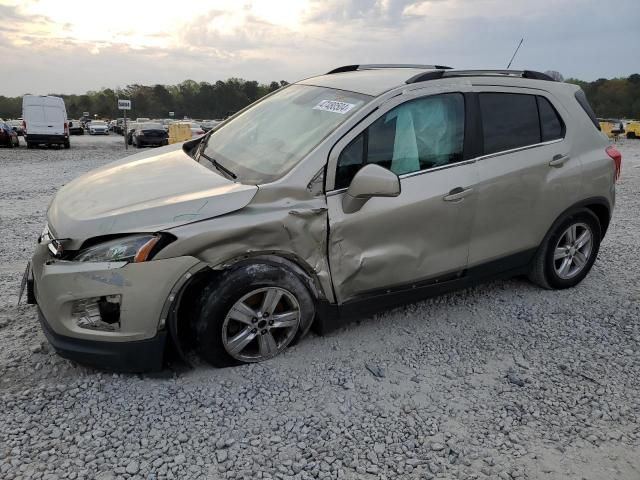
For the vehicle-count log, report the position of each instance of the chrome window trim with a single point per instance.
(519, 149)
(464, 162)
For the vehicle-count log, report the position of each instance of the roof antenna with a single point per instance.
(514, 53)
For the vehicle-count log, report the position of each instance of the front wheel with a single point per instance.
(252, 313)
(568, 251)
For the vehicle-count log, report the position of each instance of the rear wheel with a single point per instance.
(30, 145)
(67, 144)
(631, 135)
(251, 314)
(568, 251)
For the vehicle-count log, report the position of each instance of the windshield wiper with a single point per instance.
(220, 167)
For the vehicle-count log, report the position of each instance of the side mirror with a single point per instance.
(371, 181)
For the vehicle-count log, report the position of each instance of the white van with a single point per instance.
(45, 121)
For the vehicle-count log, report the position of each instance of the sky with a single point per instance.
(73, 46)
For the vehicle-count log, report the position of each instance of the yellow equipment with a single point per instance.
(179, 132)
(633, 129)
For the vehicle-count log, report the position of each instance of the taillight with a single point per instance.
(66, 128)
(616, 156)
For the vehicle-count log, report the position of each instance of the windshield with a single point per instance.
(266, 141)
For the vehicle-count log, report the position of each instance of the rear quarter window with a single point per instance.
(550, 122)
(584, 103)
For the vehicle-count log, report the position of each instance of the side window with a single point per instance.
(550, 122)
(509, 120)
(417, 135)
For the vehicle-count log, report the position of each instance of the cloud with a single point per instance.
(575, 37)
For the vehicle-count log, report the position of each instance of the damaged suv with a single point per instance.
(361, 189)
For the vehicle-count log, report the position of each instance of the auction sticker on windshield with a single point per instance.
(334, 106)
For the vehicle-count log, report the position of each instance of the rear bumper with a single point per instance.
(41, 138)
(138, 356)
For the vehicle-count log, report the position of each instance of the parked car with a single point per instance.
(149, 134)
(16, 125)
(75, 127)
(8, 136)
(98, 127)
(196, 129)
(45, 121)
(336, 196)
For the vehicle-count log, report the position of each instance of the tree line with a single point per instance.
(610, 98)
(187, 99)
(614, 98)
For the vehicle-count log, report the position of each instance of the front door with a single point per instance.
(422, 235)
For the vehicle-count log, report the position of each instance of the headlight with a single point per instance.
(135, 248)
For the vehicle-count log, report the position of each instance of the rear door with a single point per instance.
(527, 176)
(34, 118)
(54, 118)
(422, 235)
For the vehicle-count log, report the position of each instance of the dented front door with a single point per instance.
(423, 234)
(418, 236)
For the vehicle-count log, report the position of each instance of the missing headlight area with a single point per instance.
(98, 313)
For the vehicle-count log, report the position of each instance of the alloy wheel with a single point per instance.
(573, 250)
(261, 324)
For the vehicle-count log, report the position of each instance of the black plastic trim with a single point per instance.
(332, 316)
(133, 357)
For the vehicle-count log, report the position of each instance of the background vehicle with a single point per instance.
(17, 126)
(98, 127)
(119, 126)
(75, 127)
(149, 134)
(8, 136)
(207, 125)
(633, 129)
(196, 129)
(131, 127)
(45, 121)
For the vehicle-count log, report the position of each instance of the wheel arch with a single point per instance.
(599, 206)
(182, 300)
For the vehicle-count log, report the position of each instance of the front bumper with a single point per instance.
(145, 292)
(135, 357)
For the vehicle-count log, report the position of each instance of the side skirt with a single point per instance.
(332, 316)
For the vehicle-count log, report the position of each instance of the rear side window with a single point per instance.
(550, 122)
(510, 120)
(584, 103)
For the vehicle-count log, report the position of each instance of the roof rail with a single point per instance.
(373, 66)
(437, 74)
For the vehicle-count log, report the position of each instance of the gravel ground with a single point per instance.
(500, 381)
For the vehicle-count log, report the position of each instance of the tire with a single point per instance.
(30, 145)
(214, 328)
(631, 135)
(67, 144)
(547, 271)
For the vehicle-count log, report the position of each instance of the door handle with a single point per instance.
(457, 194)
(559, 160)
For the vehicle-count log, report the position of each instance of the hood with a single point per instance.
(147, 192)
